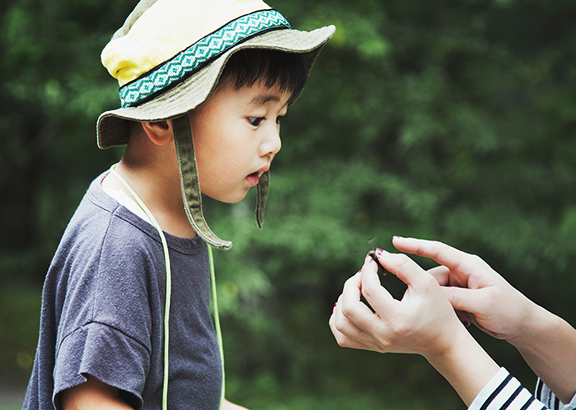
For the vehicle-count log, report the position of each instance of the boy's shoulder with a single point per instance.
(102, 224)
(96, 213)
(100, 212)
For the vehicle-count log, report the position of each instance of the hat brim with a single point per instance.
(113, 126)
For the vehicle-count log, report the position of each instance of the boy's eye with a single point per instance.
(255, 121)
(278, 119)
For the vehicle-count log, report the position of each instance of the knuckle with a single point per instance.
(400, 260)
(368, 292)
(381, 345)
(341, 342)
(384, 340)
(475, 258)
(473, 261)
(401, 330)
(340, 339)
(430, 249)
(428, 281)
(348, 312)
(454, 297)
(436, 247)
(338, 329)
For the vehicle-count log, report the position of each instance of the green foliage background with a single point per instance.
(450, 120)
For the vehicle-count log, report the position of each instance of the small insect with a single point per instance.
(372, 254)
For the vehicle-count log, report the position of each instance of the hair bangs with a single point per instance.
(271, 67)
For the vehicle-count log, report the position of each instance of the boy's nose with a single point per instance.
(272, 143)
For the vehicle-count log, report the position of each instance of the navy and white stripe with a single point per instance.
(545, 395)
(505, 392)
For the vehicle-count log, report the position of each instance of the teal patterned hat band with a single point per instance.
(198, 55)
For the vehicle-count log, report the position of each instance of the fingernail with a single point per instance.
(381, 253)
(335, 304)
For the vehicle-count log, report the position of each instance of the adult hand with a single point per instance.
(546, 341)
(472, 286)
(422, 322)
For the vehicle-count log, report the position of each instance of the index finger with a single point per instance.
(444, 254)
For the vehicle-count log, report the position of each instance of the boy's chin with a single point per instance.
(231, 199)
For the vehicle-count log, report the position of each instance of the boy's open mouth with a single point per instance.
(254, 177)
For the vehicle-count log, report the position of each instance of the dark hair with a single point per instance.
(248, 66)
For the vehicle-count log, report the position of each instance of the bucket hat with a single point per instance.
(168, 57)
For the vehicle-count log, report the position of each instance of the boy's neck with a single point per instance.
(158, 186)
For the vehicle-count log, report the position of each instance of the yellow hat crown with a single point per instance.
(148, 56)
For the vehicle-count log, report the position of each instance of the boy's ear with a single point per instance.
(159, 132)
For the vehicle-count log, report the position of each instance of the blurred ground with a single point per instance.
(11, 397)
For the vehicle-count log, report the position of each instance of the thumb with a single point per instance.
(463, 299)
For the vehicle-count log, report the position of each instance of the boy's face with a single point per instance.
(236, 135)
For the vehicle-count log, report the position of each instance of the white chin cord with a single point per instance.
(169, 293)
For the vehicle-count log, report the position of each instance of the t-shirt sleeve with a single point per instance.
(545, 395)
(105, 353)
(504, 392)
(105, 326)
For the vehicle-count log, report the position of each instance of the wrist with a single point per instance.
(548, 348)
(537, 324)
(466, 366)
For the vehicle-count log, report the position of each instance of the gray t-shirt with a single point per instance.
(103, 313)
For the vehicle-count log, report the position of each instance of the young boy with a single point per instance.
(125, 315)
(425, 322)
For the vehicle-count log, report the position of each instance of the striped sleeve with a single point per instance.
(504, 392)
(545, 395)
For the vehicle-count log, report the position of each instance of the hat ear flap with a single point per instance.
(263, 186)
(190, 184)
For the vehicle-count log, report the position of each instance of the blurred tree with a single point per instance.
(452, 120)
(53, 88)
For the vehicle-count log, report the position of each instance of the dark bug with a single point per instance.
(372, 254)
